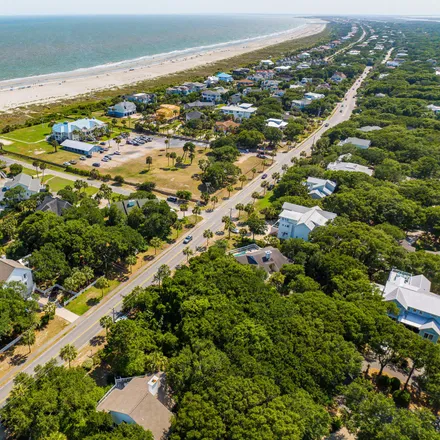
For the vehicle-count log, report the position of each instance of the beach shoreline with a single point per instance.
(55, 87)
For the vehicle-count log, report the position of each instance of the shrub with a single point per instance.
(395, 384)
(402, 398)
(336, 424)
(119, 179)
(383, 381)
(87, 364)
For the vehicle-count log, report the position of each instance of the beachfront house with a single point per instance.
(276, 123)
(122, 109)
(319, 188)
(142, 401)
(195, 87)
(362, 144)
(29, 184)
(215, 95)
(141, 98)
(241, 111)
(178, 90)
(418, 308)
(225, 77)
(13, 271)
(78, 147)
(76, 130)
(211, 81)
(296, 221)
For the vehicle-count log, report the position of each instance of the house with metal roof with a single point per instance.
(276, 123)
(340, 165)
(77, 129)
(198, 104)
(140, 400)
(122, 109)
(418, 308)
(362, 144)
(222, 76)
(13, 271)
(240, 111)
(79, 147)
(319, 188)
(296, 221)
(54, 204)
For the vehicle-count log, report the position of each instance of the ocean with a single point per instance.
(31, 46)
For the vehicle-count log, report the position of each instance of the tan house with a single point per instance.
(226, 126)
(167, 112)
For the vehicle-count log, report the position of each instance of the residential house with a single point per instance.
(368, 128)
(323, 86)
(303, 66)
(194, 115)
(195, 87)
(125, 206)
(282, 69)
(276, 123)
(339, 165)
(279, 93)
(338, 77)
(319, 188)
(266, 63)
(13, 271)
(122, 109)
(296, 221)
(261, 74)
(199, 104)
(54, 205)
(225, 77)
(215, 95)
(304, 56)
(178, 90)
(362, 144)
(305, 81)
(235, 98)
(226, 126)
(78, 147)
(30, 185)
(418, 308)
(313, 96)
(269, 258)
(167, 112)
(300, 104)
(142, 401)
(74, 130)
(242, 71)
(141, 98)
(211, 81)
(354, 52)
(241, 111)
(270, 84)
(244, 83)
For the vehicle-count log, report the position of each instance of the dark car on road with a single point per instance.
(264, 176)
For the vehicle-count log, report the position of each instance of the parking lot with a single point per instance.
(119, 155)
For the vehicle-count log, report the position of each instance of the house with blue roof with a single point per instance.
(76, 130)
(222, 76)
(418, 308)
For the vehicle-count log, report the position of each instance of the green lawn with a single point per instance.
(57, 183)
(30, 134)
(90, 298)
(264, 202)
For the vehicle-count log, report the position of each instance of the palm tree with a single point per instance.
(196, 211)
(205, 197)
(102, 283)
(229, 189)
(156, 242)
(187, 251)
(285, 167)
(275, 176)
(192, 157)
(167, 144)
(55, 145)
(129, 121)
(68, 353)
(207, 233)
(131, 261)
(43, 166)
(118, 141)
(168, 157)
(178, 226)
(49, 309)
(239, 207)
(106, 322)
(36, 164)
(162, 273)
(264, 185)
(173, 156)
(28, 338)
(242, 179)
(214, 200)
(255, 195)
(149, 161)
(184, 208)
(253, 171)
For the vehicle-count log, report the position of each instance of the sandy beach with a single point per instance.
(55, 87)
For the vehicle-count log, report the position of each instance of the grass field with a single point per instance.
(32, 134)
(90, 298)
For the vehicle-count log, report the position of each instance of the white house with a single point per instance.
(419, 309)
(240, 111)
(313, 96)
(73, 130)
(11, 270)
(266, 63)
(362, 144)
(303, 66)
(141, 98)
(300, 104)
(276, 123)
(354, 52)
(211, 80)
(304, 56)
(296, 221)
(348, 166)
(320, 188)
(28, 183)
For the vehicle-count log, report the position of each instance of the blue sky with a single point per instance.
(389, 7)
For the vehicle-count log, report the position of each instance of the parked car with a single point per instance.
(104, 159)
(89, 156)
(264, 176)
(118, 153)
(82, 158)
(66, 164)
(96, 164)
(187, 239)
(73, 162)
(235, 230)
(326, 124)
(172, 199)
(102, 143)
